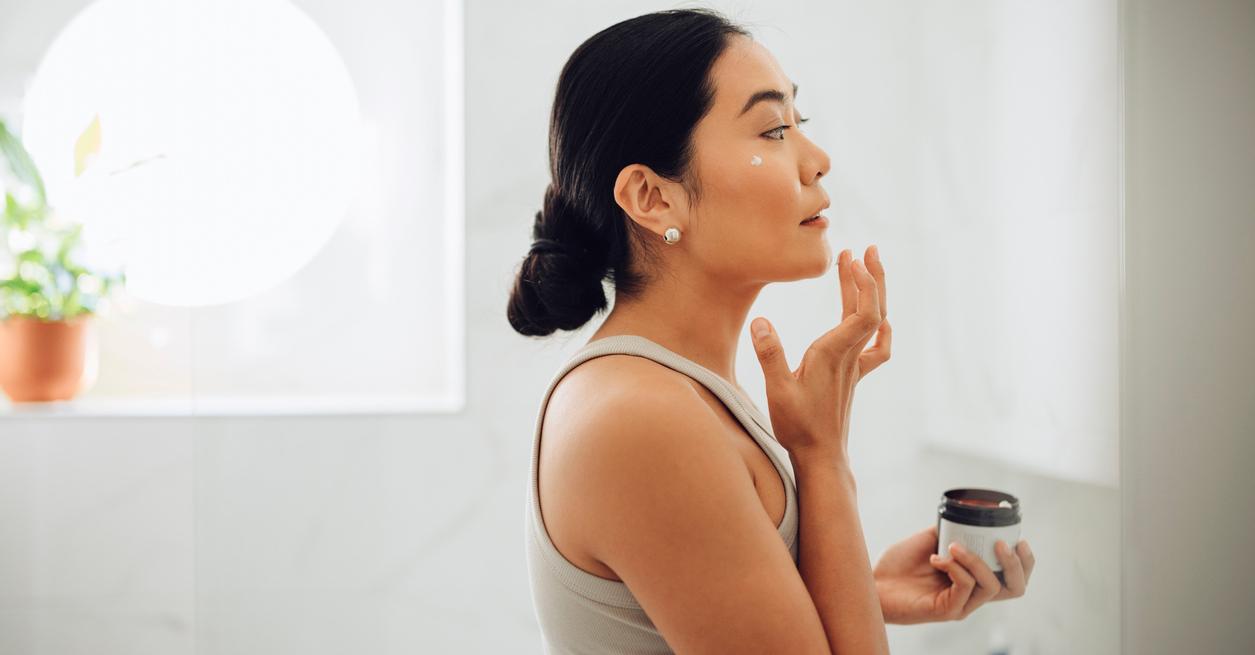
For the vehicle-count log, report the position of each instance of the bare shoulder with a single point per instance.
(614, 382)
(600, 410)
(605, 401)
(644, 485)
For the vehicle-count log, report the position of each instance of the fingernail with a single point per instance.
(759, 328)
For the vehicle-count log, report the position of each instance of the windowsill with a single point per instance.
(231, 406)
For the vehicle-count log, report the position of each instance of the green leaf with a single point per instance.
(20, 162)
(67, 244)
(19, 284)
(19, 216)
(36, 255)
(72, 303)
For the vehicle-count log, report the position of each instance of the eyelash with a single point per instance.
(782, 128)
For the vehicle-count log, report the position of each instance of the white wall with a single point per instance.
(404, 534)
(1188, 408)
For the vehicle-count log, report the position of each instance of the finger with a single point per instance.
(868, 313)
(849, 290)
(987, 583)
(878, 354)
(1027, 559)
(842, 343)
(954, 598)
(770, 352)
(868, 295)
(1012, 570)
(878, 271)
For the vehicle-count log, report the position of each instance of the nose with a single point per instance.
(815, 165)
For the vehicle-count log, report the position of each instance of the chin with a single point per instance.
(822, 263)
(801, 262)
(811, 267)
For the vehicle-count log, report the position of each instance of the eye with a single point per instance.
(781, 130)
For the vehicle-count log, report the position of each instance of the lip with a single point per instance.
(820, 208)
(822, 221)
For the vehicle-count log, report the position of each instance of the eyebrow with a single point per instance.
(764, 95)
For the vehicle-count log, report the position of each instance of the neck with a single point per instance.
(697, 317)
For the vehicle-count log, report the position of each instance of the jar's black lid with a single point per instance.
(985, 507)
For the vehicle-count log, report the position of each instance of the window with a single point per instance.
(373, 321)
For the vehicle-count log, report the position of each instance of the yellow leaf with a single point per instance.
(88, 144)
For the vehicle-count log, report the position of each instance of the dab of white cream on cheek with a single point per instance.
(756, 161)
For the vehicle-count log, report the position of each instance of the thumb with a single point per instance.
(770, 352)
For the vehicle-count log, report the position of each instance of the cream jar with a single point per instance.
(976, 519)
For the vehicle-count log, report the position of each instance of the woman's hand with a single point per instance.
(917, 586)
(810, 407)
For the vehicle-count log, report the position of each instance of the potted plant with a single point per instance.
(47, 298)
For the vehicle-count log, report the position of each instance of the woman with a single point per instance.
(677, 517)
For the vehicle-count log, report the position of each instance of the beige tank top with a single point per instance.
(583, 613)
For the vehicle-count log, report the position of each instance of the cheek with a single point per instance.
(744, 189)
(750, 215)
(765, 195)
(749, 209)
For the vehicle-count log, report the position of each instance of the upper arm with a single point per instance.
(675, 514)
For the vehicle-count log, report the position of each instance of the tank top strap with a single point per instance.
(631, 344)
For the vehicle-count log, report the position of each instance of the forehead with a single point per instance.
(745, 68)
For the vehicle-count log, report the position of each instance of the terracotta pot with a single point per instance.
(43, 361)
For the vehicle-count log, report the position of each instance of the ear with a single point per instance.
(653, 202)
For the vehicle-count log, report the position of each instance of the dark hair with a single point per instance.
(631, 94)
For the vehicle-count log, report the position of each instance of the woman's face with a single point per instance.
(747, 223)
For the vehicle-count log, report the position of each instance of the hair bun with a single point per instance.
(562, 228)
(559, 285)
(553, 247)
(543, 246)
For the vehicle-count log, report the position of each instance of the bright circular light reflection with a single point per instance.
(220, 140)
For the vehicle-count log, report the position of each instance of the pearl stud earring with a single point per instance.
(756, 161)
(671, 235)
